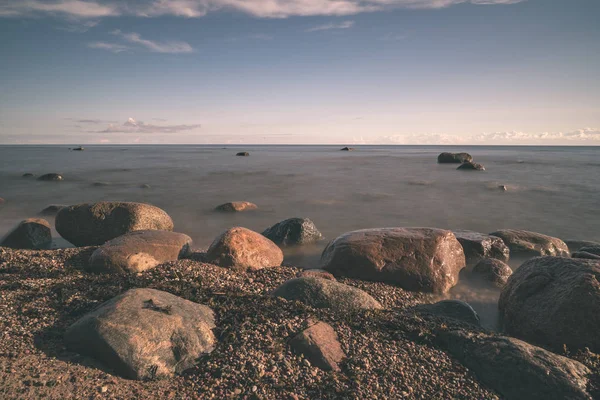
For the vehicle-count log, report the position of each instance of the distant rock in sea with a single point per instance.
(78, 148)
(51, 177)
(454, 158)
(236, 206)
(243, 154)
(347, 149)
(27, 175)
(471, 166)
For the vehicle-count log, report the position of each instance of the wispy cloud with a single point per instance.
(173, 47)
(199, 8)
(332, 25)
(113, 47)
(79, 26)
(133, 126)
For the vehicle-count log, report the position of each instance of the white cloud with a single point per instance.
(114, 47)
(332, 25)
(199, 8)
(157, 47)
(133, 126)
(80, 26)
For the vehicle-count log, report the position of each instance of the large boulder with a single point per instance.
(554, 301)
(293, 231)
(319, 345)
(32, 233)
(454, 309)
(325, 293)
(518, 370)
(478, 246)
(139, 250)
(492, 272)
(145, 334)
(419, 259)
(454, 158)
(575, 245)
(96, 223)
(471, 166)
(242, 248)
(525, 244)
(51, 177)
(236, 206)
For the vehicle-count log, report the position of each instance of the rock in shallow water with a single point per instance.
(455, 309)
(96, 223)
(454, 158)
(527, 244)
(293, 231)
(419, 259)
(492, 272)
(140, 250)
(50, 177)
(243, 154)
(471, 166)
(52, 209)
(320, 346)
(479, 246)
(554, 301)
(32, 233)
(575, 245)
(145, 334)
(236, 206)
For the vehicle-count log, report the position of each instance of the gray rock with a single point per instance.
(347, 149)
(96, 223)
(27, 175)
(585, 254)
(478, 246)
(419, 259)
(492, 272)
(139, 250)
(145, 334)
(455, 309)
(32, 233)
(50, 177)
(575, 245)
(553, 301)
(52, 209)
(243, 154)
(324, 293)
(471, 166)
(518, 370)
(236, 206)
(319, 345)
(293, 231)
(454, 158)
(525, 244)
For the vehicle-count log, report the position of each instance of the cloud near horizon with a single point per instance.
(197, 8)
(332, 25)
(133, 126)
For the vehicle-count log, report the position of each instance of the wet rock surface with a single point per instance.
(52, 209)
(492, 272)
(140, 250)
(471, 166)
(51, 177)
(236, 206)
(478, 246)
(319, 345)
(454, 158)
(419, 259)
(32, 233)
(96, 223)
(455, 309)
(293, 231)
(525, 244)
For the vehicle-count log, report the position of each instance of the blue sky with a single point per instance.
(308, 71)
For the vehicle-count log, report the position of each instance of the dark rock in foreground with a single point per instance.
(454, 158)
(324, 293)
(237, 206)
(52, 209)
(575, 245)
(320, 346)
(492, 272)
(293, 231)
(140, 250)
(518, 370)
(451, 309)
(531, 244)
(97, 223)
(32, 233)
(243, 154)
(242, 248)
(145, 334)
(478, 246)
(471, 166)
(50, 177)
(554, 301)
(419, 259)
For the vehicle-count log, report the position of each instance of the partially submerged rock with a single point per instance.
(418, 259)
(324, 293)
(139, 250)
(478, 246)
(455, 309)
(243, 154)
(554, 301)
(492, 272)
(518, 370)
(32, 233)
(52, 209)
(27, 175)
(575, 245)
(80, 148)
(51, 177)
(454, 158)
(531, 244)
(96, 223)
(145, 334)
(244, 249)
(293, 231)
(319, 345)
(236, 206)
(471, 166)
(347, 149)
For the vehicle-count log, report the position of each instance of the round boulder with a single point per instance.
(554, 301)
(418, 259)
(96, 223)
(50, 177)
(479, 246)
(325, 293)
(492, 271)
(32, 233)
(527, 244)
(237, 206)
(471, 166)
(454, 158)
(293, 231)
(244, 249)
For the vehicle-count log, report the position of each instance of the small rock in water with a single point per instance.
(27, 175)
(471, 166)
(243, 154)
(51, 177)
(454, 158)
(32, 233)
(503, 188)
(101, 184)
(52, 209)
(80, 148)
(145, 186)
(478, 246)
(236, 206)
(293, 231)
(347, 149)
(492, 271)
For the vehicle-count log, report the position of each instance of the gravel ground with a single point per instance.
(391, 353)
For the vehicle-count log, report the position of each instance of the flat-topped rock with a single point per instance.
(319, 345)
(293, 231)
(527, 244)
(478, 246)
(145, 334)
(454, 158)
(492, 272)
(96, 223)
(418, 259)
(554, 302)
(455, 309)
(140, 250)
(471, 166)
(242, 248)
(236, 206)
(32, 233)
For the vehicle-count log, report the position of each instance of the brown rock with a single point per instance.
(493, 272)
(145, 334)
(316, 273)
(554, 301)
(319, 344)
(140, 250)
(245, 249)
(455, 309)
(95, 224)
(419, 259)
(32, 233)
(478, 246)
(575, 245)
(237, 206)
(531, 244)
(471, 166)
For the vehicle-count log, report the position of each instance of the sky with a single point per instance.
(523, 72)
